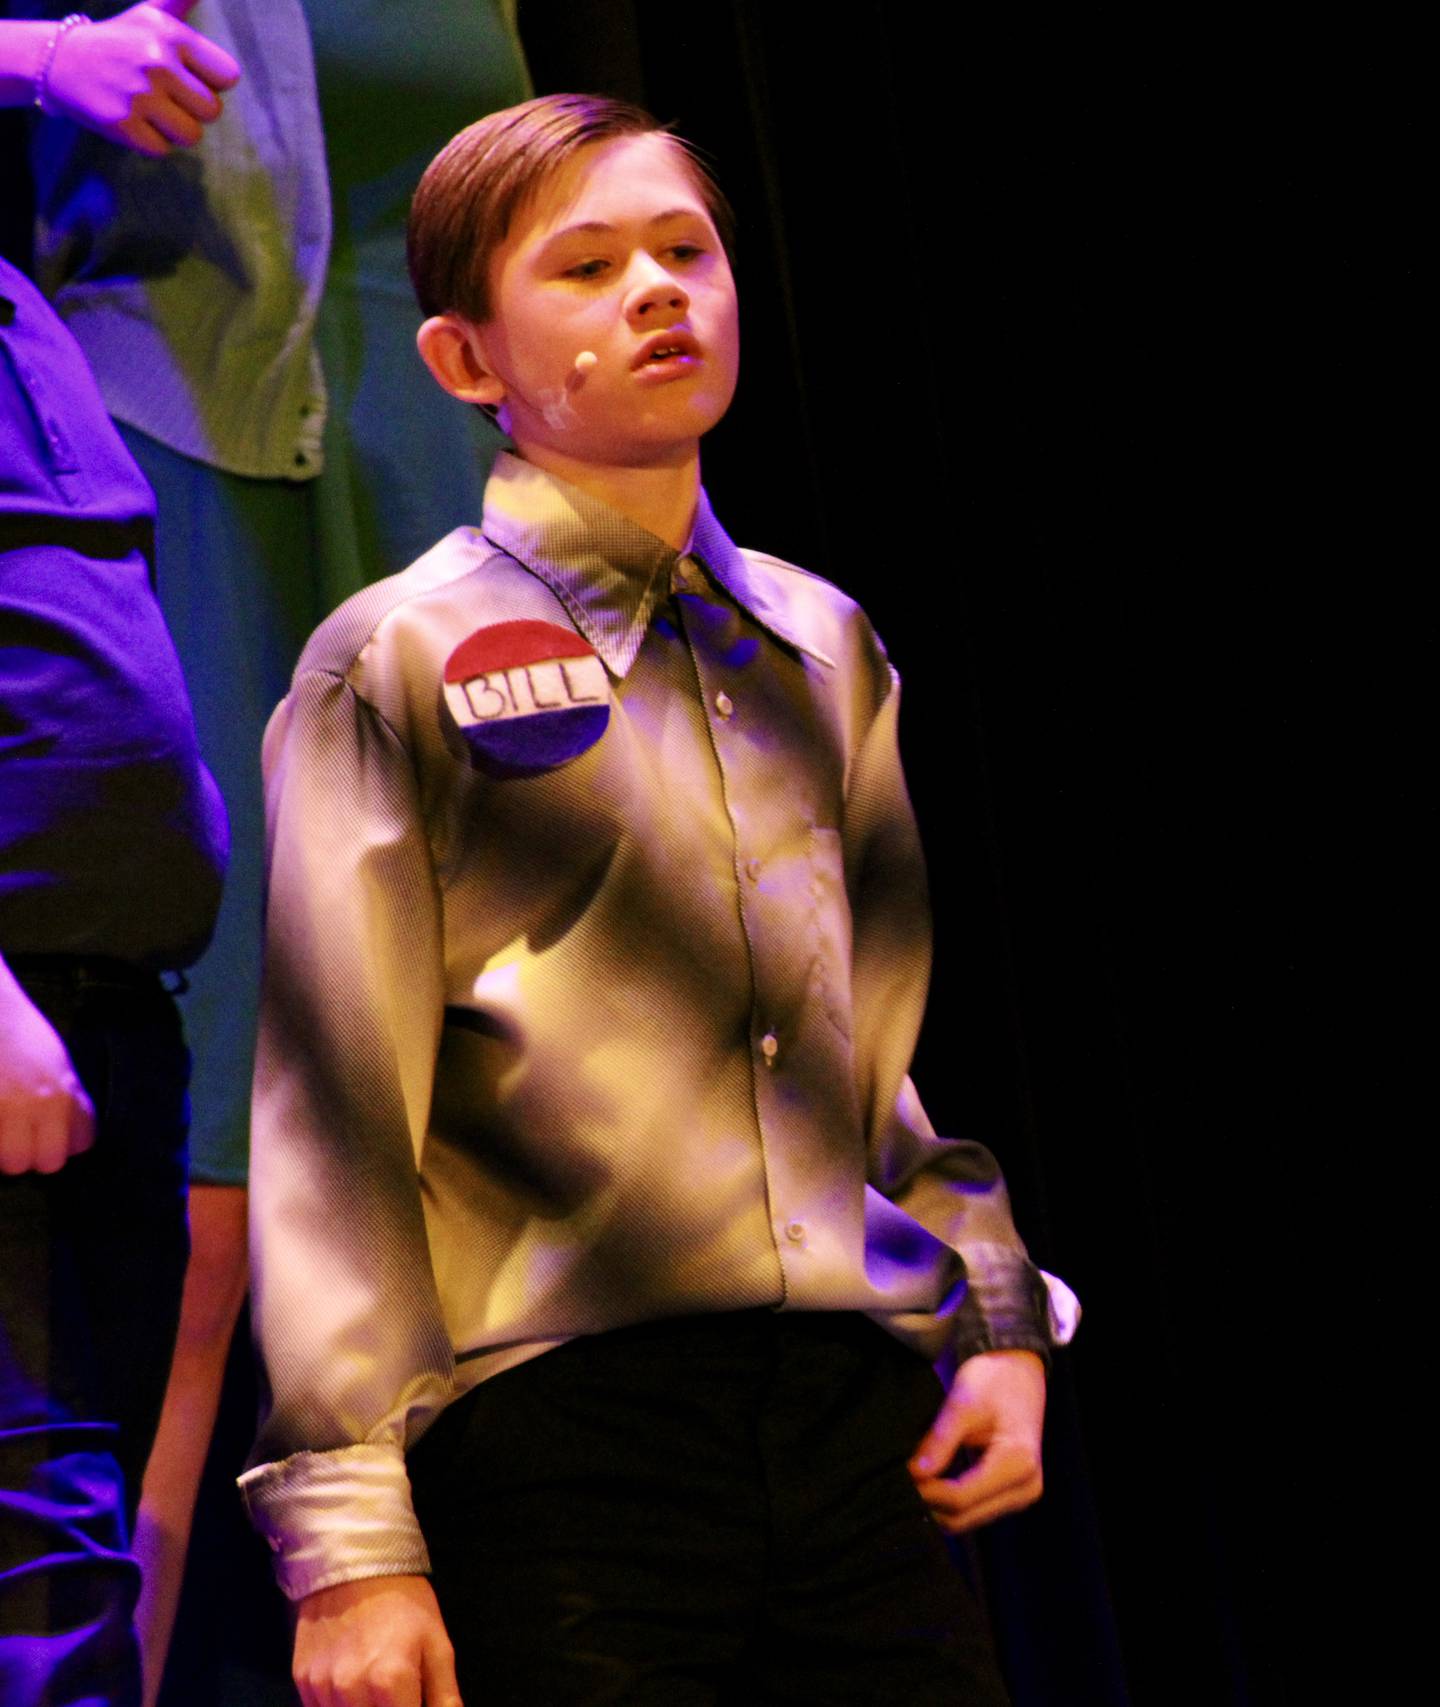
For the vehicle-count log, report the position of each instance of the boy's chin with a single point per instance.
(664, 436)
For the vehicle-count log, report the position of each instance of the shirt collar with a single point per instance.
(735, 572)
(607, 571)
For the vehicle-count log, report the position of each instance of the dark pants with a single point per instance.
(712, 1510)
(92, 1260)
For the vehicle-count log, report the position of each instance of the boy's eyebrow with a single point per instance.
(598, 227)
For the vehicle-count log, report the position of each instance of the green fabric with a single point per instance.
(248, 567)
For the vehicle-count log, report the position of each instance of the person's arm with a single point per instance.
(1005, 1324)
(143, 78)
(45, 1115)
(345, 1306)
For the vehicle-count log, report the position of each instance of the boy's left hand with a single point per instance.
(996, 1403)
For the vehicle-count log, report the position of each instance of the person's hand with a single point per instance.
(143, 78)
(996, 1403)
(379, 1642)
(45, 1115)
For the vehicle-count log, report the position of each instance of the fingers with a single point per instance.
(211, 64)
(40, 1135)
(394, 1682)
(379, 1684)
(1007, 1477)
(391, 1684)
(17, 1143)
(39, 1144)
(143, 137)
(173, 114)
(192, 97)
(171, 48)
(956, 1422)
(387, 1683)
(170, 114)
(185, 92)
(963, 1522)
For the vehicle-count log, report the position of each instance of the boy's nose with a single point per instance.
(654, 291)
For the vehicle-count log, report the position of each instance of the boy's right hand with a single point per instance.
(143, 78)
(379, 1642)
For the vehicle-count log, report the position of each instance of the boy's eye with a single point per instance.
(598, 266)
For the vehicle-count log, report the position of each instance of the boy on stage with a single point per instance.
(602, 1246)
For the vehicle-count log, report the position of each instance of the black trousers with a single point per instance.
(91, 1265)
(710, 1510)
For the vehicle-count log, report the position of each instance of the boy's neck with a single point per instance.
(662, 499)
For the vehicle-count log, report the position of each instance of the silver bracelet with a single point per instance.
(42, 76)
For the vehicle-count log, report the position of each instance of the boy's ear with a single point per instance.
(452, 348)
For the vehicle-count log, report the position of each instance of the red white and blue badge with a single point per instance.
(527, 696)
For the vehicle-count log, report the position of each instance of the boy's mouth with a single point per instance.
(667, 347)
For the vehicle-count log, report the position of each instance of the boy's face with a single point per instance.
(617, 256)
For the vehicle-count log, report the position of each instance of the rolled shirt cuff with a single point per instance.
(334, 1517)
(1020, 1305)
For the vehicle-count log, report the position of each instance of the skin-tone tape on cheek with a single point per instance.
(555, 408)
(553, 402)
(555, 405)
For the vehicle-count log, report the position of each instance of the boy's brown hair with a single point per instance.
(478, 182)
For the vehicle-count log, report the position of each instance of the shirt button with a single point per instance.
(724, 704)
(752, 870)
(795, 1232)
(769, 1048)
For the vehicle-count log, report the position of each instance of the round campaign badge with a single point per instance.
(527, 696)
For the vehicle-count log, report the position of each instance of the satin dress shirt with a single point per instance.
(628, 1038)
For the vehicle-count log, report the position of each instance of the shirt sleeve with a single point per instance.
(356, 1356)
(953, 1187)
